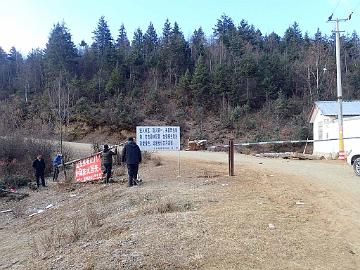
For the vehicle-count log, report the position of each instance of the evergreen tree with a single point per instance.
(34, 71)
(137, 58)
(198, 43)
(151, 45)
(150, 40)
(293, 41)
(200, 84)
(184, 95)
(166, 33)
(179, 53)
(102, 37)
(122, 45)
(60, 53)
(103, 45)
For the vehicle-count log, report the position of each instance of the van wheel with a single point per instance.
(356, 166)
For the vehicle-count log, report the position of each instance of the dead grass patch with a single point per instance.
(66, 186)
(119, 171)
(18, 211)
(146, 156)
(156, 161)
(165, 205)
(113, 231)
(93, 217)
(34, 249)
(208, 174)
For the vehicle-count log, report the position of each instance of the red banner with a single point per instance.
(88, 169)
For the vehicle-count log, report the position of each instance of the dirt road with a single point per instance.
(335, 180)
(333, 175)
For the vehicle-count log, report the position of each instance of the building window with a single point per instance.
(320, 130)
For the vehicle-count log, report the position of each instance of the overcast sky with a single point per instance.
(26, 24)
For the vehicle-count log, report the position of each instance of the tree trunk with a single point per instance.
(309, 81)
(346, 67)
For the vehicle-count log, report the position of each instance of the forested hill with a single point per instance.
(238, 82)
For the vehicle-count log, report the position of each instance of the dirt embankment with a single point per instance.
(269, 216)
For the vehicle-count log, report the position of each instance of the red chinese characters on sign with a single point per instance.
(88, 169)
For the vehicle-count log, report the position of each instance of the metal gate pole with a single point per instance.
(231, 157)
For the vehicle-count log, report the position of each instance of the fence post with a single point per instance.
(64, 169)
(231, 157)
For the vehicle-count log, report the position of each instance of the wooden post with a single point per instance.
(64, 168)
(231, 157)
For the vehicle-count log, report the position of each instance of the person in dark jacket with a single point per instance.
(39, 167)
(107, 161)
(131, 155)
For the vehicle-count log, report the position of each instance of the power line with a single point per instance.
(355, 8)
(337, 5)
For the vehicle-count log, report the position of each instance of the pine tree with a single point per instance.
(150, 40)
(184, 94)
(137, 58)
(293, 41)
(165, 40)
(151, 45)
(198, 43)
(60, 53)
(103, 45)
(224, 31)
(179, 53)
(200, 84)
(122, 45)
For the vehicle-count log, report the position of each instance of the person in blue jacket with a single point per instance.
(57, 161)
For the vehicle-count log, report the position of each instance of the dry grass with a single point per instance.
(146, 156)
(62, 235)
(206, 173)
(156, 161)
(19, 210)
(119, 171)
(161, 205)
(201, 221)
(93, 217)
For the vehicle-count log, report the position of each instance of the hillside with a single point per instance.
(237, 82)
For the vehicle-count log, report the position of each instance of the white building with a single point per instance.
(325, 126)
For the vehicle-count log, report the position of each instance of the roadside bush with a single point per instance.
(16, 157)
(14, 181)
(146, 156)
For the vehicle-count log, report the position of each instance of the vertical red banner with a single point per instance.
(88, 169)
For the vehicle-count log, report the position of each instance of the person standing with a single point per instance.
(107, 161)
(56, 163)
(131, 155)
(39, 167)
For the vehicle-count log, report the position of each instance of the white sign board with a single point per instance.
(160, 138)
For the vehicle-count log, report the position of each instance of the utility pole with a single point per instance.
(339, 86)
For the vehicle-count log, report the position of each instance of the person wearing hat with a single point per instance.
(107, 161)
(131, 155)
(56, 163)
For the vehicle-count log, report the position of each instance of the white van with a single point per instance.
(353, 159)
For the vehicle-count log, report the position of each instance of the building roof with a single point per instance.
(330, 108)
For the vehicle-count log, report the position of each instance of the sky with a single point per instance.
(26, 24)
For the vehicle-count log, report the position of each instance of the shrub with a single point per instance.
(15, 181)
(16, 157)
